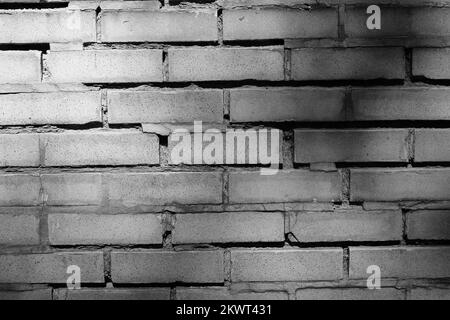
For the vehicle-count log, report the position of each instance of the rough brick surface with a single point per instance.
(431, 63)
(401, 262)
(50, 267)
(350, 294)
(428, 224)
(220, 293)
(347, 64)
(229, 227)
(429, 294)
(114, 294)
(19, 190)
(20, 66)
(286, 264)
(209, 64)
(20, 229)
(432, 145)
(19, 150)
(351, 145)
(77, 229)
(38, 294)
(155, 266)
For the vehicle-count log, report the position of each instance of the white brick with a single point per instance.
(19, 190)
(428, 225)
(20, 66)
(19, 150)
(20, 229)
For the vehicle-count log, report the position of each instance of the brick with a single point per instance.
(121, 147)
(285, 186)
(428, 225)
(47, 26)
(221, 293)
(159, 26)
(162, 188)
(51, 267)
(349, 294)
(429, 294)
(347, 64)
(432, 145)
(19, 229)
(399, 22)
(94, 66)
(286, 264)
(19, 150)
(20, 66)
(38, 294)
(78, 229)
(226, 64)
(156, 266)
(399, 184)
(50, 108)
(114, 294)
(347, 225)
(19, 190)
(359, 145)
(229, 227)
(401, 262)
(279, 23)
(416, 103)
(156, 106)
(286, 104)
(432, 63)
(72, 189)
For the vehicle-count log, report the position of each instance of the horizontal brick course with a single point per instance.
(19, 229)
(113, 294)
(432, 63)
(19, 190)
(20, 66)
(429, 294)
(221, 293)
(428, 225)
(432, 145)
(155, 266)
(350, 294)
(37, 294)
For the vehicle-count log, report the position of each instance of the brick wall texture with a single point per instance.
(92, 92)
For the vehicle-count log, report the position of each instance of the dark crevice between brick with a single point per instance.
(342, 244)
(36, 6)
(435, 82)
(177, 2)
(254, 43)
(43, 47)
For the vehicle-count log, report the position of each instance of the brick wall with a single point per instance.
(92, 91)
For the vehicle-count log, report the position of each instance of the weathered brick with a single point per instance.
(156, 266)
(432, 63)
(346, 225)
(50, 108)
(159, 25)
(347, 64)
(92, 66)
(51, 267)
(19, 150)
(20, 66)
(221, 293)
(286, 104)
(182, 105)
(432, 145)
(226, 64)
(161, 188)
(357, 145)
(413, 103)
(349, 294)
(19, 190)
(399, 184)
(399, 22)
(47, 26)
(429, 294)
(121, 147)
(285, 186)
(401, 262)
(37, 294)
(229, 227)
(77, 229)
(72, 189)
(20, 229)
(286, 264)
(114, 294)
(428, 224)
(279, 23)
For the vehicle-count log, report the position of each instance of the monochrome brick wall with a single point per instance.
(91, 93)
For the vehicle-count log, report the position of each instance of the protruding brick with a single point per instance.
(229, 227)
(221, 293)
(349, 294)
(279, 23)
(20, 229)
(432, 145)
(78, 229)
(51, 267)
(226, 64)
(19, 190)
(399, 184)
(358, 145)
(401, 262)
(286, 264)
(114, 294)
(19, 150)
(346, 225)
(347, 64)
(428, 225)
(432, 63)
(155, 106)
(20, 66)
(156, 266)
(159, 25)
(286, 104)
(285, 186)
(96, 66)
